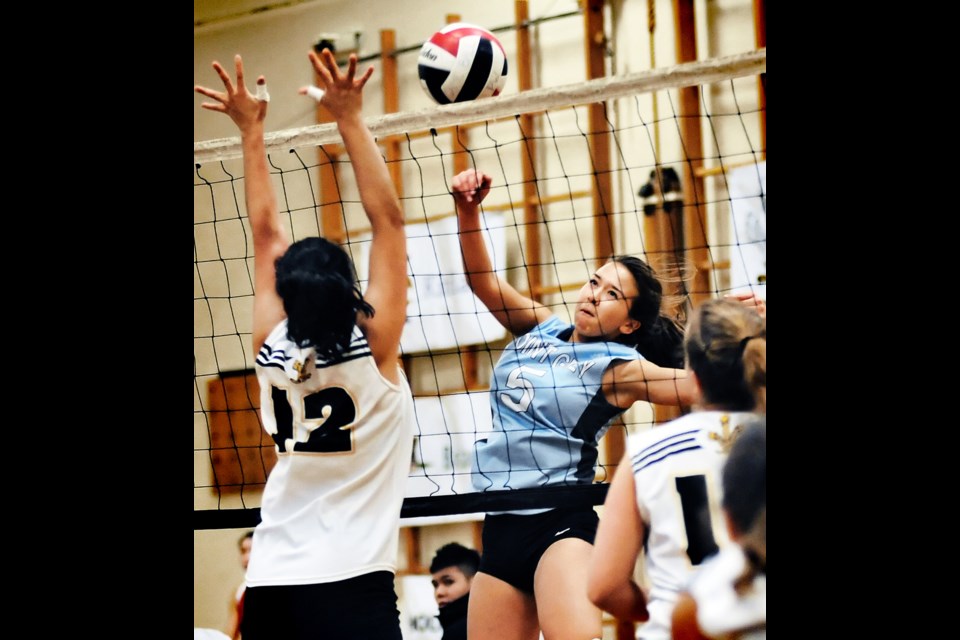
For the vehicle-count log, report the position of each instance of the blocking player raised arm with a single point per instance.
(332, 393)
(387, 290)
(270, 241)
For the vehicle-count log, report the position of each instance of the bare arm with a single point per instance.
(617, 546)
(628, 382)
(387, 289)
(269, 239)
(750, 300)
(233, 622)
(515, 311)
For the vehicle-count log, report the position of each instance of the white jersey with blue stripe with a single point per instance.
(677, 478)
(548, 409)
(344, 436)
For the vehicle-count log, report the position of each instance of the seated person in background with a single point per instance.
(452, 570)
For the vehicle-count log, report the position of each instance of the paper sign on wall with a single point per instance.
(442, 312)
(748, 207)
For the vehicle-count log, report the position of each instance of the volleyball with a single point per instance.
(462, 62)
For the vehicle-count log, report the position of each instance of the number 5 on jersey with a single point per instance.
(515, 381)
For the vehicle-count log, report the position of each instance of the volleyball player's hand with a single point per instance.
(342, 92)
(243, 107)
(469, 188)
(750, 300)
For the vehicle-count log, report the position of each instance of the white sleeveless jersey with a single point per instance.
(721, 611)
(344, 436)
(677, 478)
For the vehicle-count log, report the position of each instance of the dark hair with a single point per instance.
(726, 347)
(316, 281)
(745, 497)
(660, 337)
(456, 555)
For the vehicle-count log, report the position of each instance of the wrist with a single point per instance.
(348, 119)
(251, 129)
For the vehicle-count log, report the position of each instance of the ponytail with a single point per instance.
(660, 337)
(755, 368)
(661, 342)
(754, 545)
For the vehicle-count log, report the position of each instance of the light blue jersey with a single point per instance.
(548, 410)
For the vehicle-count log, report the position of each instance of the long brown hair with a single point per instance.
(660, 337)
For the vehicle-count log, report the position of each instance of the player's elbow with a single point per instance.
(386, 217)
(393, 214)
(270, 243)
(623, 601)
(600, 593)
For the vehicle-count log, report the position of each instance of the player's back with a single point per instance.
(677, 478)
(344, 435)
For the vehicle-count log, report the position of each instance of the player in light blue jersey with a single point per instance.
(553, 395)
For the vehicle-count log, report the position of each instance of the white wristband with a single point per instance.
(315, 92)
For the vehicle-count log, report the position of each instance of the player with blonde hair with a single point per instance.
(665, 496)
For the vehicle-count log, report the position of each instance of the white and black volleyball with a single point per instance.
(462, 62)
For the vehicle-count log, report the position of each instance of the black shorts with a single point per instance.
(513, 544)
(361, 607)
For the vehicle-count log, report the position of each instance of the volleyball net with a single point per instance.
(668, 165)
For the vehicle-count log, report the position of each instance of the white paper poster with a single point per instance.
(443, 312)
(447, 428)
(418, 609)
(748, 206)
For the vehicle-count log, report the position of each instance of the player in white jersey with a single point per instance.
(728, 596)
(554, 393)
(333, 396)
(665, 496)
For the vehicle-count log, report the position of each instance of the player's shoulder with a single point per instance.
(664, 432)
(277, 336)
(706, 421)
(552, 326)
(663, 442)
(673, 442)
(276, 348)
